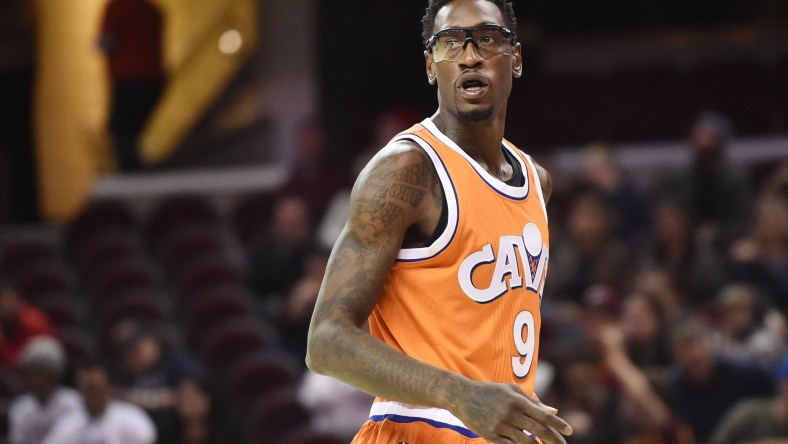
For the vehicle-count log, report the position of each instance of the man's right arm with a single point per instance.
(393, 194)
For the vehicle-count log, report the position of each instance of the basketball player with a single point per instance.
(445, 253)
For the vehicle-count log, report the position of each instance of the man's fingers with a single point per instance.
(545, 415)
(517, 435)
(552, 410)
(546, 434)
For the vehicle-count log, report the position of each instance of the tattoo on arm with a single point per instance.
(389, 193)
(385, 203)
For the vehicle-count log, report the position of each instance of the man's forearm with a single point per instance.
(349, 354)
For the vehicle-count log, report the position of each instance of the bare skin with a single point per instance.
(395, 203)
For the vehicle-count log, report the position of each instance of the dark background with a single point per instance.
(608, 70)
(371, 58)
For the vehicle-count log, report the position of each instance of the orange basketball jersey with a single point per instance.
(470, 301)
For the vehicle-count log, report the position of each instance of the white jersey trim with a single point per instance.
(538, 183)
(399, 412)
(445, 238)
(517, 193)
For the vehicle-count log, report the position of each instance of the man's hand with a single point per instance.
(503, 414)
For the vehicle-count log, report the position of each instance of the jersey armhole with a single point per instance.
(537, 182)
(441, 241)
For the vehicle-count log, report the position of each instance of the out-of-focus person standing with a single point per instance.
(31, 415)
(102, 419)
(131, 39)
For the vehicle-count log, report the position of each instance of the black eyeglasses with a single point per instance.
(490, 40)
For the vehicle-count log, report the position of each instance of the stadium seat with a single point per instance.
(251, 217)
(223, 345)
(259, 374)
(275, 415)
(22, 252)
(46, 276)
(174, 212)
(47, 295)
(204, 272)
(79, 346)
(211, 308)
(61, 311)
(119, 277)
(134, 305)
(192, 241)
(97, 217)
(104, 249)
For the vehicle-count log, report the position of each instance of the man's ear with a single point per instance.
(517, 63)
(430, 67)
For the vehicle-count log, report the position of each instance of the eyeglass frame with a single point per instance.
(506, 32)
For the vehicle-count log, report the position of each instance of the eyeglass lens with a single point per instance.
(451, 43)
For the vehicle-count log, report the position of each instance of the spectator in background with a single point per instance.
(31, 416)
(643, 325)
(757, 419)
(154, 378)
(296, 311)
(19, 322)
(637, 414)
(705, 386)
(590, 254)
(202, 420)
(601, 171)
(100, 419)
(276, 264)
(657, 283)
(131, 39)
(718, 191)
(336, 216)
(694, 267)
(747, 332)
(335, 407)
(387, 125)
(312, 176)
(761, 259)
(581, 396)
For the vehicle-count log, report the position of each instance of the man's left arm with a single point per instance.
(545, 180)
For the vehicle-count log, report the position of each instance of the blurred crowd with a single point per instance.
(664, 314)
(665, 307)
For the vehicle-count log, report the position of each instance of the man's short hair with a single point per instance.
(689, 331)
(43, 353)
(428, 21)
(717, 122)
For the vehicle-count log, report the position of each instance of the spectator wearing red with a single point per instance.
(131, 39)
(19, 323)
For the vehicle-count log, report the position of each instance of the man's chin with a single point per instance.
(476, 114)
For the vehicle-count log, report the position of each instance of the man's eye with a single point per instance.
(450, 43)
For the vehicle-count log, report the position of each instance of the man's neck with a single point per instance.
(482, 141)
(44, 396)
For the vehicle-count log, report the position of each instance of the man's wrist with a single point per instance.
(453, 388)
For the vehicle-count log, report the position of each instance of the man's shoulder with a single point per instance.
(68, 396)
(750, 412)
(22, 405)
(122, 410)
(397, 154)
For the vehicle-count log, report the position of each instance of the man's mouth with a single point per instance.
(473, 85)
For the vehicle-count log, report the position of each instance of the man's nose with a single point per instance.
(470, 56)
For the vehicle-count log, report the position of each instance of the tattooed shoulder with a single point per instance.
(393, 186)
